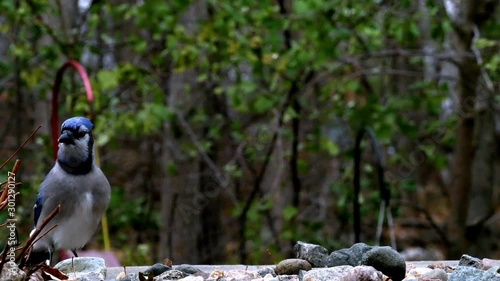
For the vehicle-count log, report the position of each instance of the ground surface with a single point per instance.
(114, 271)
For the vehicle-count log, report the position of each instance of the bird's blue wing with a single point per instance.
(37, 209)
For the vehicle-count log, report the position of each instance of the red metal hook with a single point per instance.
(54, 120)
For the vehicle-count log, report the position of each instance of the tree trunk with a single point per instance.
(464, 17)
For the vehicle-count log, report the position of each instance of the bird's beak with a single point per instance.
(67, 138)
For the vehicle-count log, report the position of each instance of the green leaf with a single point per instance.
(263, 104)
(329, 146)
(289, 212)
(107, 79)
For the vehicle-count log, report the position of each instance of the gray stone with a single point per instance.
(387, 260)
(129, 277)
(156, 269)
(83, 268)
(363, 273)
(266, 270)
(192, 278)
(349, 256)
(437, 273)
(278, 278)
(384, 259)
(489, 263)
(292, 266)
(173, 274)
(236, 274)
(316, 255)
(467, 260)
(466, 273)
(188, 269)
(492, 274)
(326, 274)
(10, 272)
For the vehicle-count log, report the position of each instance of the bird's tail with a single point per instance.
(37, 257)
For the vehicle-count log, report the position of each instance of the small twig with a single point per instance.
(29, 244)
(219, 177)
(30, 247)
(3, 256)
(428, 217)
(22, 145)
(3, 197)
(3, 204)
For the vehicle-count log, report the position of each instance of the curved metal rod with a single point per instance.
(385, 193)
(54, 119)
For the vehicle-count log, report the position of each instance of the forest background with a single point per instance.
(227, 128)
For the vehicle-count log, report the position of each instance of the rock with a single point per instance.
(316, 255)
(467, 260)
(326, 274)
(129, 277)
(237, 274)
(436, 274)
(192, 278)
(265, 271)
(269, 277)
(492, 274)
(157, 269)
(363, 273)
(188, 269)
(10, 272)
(387, 260)
(292, 266)
(469, 273)
(173, 274)
(349, 256)
(384, 259)
(216, 274)
(489, 263)
(419, 271)
(83, 268)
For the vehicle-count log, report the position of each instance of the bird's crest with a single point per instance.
(75, 122)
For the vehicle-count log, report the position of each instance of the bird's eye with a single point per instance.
(79, 134)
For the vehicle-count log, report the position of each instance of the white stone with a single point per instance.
(83, 268)
(10, 272)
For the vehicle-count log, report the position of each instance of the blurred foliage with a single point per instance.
(241, 54)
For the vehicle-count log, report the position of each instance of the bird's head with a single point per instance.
(76, 145)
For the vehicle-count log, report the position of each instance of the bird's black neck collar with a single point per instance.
(82, 169)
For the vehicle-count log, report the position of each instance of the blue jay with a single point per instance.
(78, 185)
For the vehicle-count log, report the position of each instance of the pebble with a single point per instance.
(173, 274)
(10, 272)
(192, 278)
(188, 269)
(157, 269)
(363, 273)
(327, 274)
(467, 260)
(315, 254)
(489, 263)
(292, 266)
(264, 271)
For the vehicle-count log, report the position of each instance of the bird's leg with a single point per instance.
(50, 257)
(74, 253)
